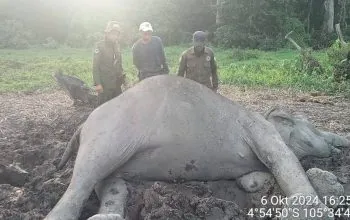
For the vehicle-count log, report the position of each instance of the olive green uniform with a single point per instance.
(108, 70)
(202, 69)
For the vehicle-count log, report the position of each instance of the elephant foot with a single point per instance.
(112, 193)
(106, 217)
(327, 186)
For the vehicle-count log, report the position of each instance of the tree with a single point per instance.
(329, 16)
(219, 15)
(342, 14)
(239, 23)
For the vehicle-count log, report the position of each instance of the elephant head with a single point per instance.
(303, 138)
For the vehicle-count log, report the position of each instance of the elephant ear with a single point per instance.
(282, 121)
(279, 117)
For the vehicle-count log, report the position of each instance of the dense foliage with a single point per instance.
(243, 23)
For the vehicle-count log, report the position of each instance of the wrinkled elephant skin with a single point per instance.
(169, 128)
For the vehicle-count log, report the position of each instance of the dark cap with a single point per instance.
(199, 36)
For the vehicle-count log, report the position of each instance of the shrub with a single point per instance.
(321, 40)
(13, 34)
(337, 52)
(239, 54)
(75, 40)
(51, 43)
(91, 39)
(230, 36)
(295, 25)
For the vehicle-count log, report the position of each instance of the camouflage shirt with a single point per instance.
(107, 65)
(202, 69)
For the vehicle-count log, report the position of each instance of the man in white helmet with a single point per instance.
(148, 54)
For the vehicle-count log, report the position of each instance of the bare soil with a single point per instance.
(34, 129)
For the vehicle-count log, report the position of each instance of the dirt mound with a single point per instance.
(164, 202)
(34, 130)
(33, 133)
(161, 201)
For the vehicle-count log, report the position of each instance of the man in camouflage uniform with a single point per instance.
(198, 63)
(107, 65)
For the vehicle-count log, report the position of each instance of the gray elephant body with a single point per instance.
(183, 142)
(169, 128)
(178, 131)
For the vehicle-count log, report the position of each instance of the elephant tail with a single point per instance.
(72, 147)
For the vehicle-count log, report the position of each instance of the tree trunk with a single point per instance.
(329, 16)
(310, 4)
(342, 13)
(219, 16)
(340, 35)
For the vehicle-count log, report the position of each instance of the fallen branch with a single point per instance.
(309, 63)
(292, 41)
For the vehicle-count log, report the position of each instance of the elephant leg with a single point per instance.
(112, 193)
(95, 161)
(254, 182)
(268, 145)
(270, 148)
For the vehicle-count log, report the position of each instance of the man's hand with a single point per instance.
(99, 89)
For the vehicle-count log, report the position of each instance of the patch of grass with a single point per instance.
(240, 55)
(28, 70)
(279, 70)
(37, 66)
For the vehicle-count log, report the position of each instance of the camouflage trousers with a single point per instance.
(108, 94)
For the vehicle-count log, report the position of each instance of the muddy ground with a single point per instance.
(34, 129)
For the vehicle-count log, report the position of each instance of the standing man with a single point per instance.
(198, 63)
(107, 65)
(148, 54)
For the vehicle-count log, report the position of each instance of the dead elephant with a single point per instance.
(168, 128)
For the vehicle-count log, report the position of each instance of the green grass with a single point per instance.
(28, 70)
(278, 70)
